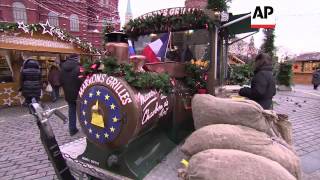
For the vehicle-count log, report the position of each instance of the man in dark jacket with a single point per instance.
(70, 70)
(30, 80)
(186, 55)
(54, 80)
(263, 86)
(316, 79)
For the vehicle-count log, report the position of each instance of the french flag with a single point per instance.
(132, 52)
(156, 50)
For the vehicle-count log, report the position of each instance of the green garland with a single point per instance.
(196, 76)
(139, 80)
(13, 27)
(195, 19)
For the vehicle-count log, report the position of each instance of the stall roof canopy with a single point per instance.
(165, 20)
(243, 26)
(42, 38)
(180, 19)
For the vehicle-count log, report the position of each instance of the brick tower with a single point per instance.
(128, 12)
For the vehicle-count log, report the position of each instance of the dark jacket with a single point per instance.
(263, 87)
(316, 77)
(31, 79)
(54, 77)
(69, 79)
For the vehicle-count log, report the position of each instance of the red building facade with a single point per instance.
(82, 18)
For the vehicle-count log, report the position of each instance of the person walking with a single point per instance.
(316, 78)
(263, 84)
(30, 81)
(54, 80)
(70, 70)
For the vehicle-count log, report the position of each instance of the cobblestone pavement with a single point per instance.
(22, 155)
(302, 106)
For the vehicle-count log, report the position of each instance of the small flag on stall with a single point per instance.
(156, 50)
(131, 49)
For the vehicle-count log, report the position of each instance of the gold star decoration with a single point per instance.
(83, 113)
(85, 102)
(98, 93)
(107, 97)
(112, 129)
(115, 119)
(112, 106)
(90, 130)
(97, 136)
(106, 135)
(90, 95)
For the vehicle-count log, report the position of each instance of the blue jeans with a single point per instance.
(72, 116)
(55, 93)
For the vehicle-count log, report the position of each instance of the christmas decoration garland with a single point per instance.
(139, 80)
(196, 75)
(47, 29)
(195, 19)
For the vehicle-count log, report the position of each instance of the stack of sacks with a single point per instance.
(239, 139)
(207, 110)
(217, 164)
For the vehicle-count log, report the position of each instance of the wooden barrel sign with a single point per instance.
(111, 112)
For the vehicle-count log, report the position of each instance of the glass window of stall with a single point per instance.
(6, 71)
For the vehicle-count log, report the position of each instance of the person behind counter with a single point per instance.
(30, 80)
(263, 86)
(70, 70)
(54, 80)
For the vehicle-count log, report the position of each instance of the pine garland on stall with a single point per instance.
(20, 27)
(139, 80)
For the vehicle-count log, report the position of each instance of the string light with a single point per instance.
(81, 20)
(61, 15)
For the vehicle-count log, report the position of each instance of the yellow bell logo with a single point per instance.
(97, 118)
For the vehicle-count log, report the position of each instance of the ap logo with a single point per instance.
(263, 16)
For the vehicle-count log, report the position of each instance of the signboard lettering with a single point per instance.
(143, 98)
(161, 109)
(169, 12)
(111, 82)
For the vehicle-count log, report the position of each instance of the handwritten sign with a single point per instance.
(155, 107)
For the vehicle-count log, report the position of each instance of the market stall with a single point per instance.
(43, 42)
(125, 104)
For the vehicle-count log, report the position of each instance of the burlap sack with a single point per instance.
(207, 110)
(271, 118)
(250, 102)
(223, 164)
(285, 128)
(222, 136)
